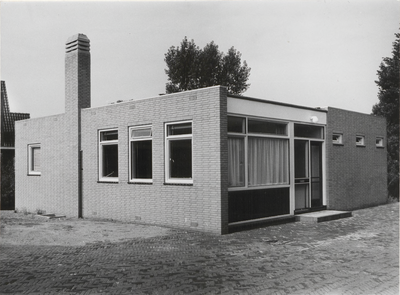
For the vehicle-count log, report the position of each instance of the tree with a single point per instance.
(189, 67)
(388, 107)
(7, 180)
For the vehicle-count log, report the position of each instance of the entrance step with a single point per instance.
(321, 216)
(50, 216)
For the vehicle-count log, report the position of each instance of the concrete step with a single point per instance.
(50, 216)
(241, 226)
(321, 216)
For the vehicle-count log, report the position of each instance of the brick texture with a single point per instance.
(56, 189)
(198, 206)
(356, 176)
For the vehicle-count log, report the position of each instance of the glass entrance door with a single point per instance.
(308, 174)
(316, 174)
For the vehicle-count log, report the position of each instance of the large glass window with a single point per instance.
(141, 160)
(108, 155)
(34, 159)
(268, 161)
(259, 157)
(178, 152)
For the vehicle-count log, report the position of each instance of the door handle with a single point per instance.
(302, 180)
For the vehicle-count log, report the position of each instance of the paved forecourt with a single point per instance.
(356, 255)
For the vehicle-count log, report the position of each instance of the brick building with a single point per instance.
(200, 159)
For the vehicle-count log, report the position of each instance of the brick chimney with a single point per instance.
(77, 97)
(77, 74)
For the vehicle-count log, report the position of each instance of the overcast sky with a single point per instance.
(312, 53)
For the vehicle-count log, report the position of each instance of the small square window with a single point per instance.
(360, 140)
(337, 138)
(379, 142)
(34, 159)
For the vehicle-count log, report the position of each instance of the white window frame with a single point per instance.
(142, 138)
(379, 142)
(169, 138)
(101, 144)
(339, 140)
(246, 135)
(360, 140)
(31, 170)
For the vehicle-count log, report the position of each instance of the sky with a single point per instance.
(311, 53)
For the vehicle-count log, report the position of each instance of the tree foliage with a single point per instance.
(7, 180)
(388, 107)
(190, 67)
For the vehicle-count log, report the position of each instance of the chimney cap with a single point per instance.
(80, 37)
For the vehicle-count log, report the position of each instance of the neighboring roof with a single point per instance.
(8, 119)
(278, 103)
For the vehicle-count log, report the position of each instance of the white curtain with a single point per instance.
(36, 159)
(236, 161)
(268, 161)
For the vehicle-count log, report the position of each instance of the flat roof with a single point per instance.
(278, 103)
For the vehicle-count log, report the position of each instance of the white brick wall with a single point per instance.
(197, 206)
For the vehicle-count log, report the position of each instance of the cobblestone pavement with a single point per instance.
(357, 255)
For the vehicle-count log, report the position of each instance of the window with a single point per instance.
(309, 131)
(108, 155)
(178, 160)
(34, 159)
(360, 140)
(268, 161)
(265, 127)
(141, 161)
(259, 157)
(337, 138)
(236, 161)
(379, 142)
(236, 124)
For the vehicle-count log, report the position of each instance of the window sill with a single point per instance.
(380, 147)
(34, 174)
(339, 144)
(178, 184)
(107, 181)
(256, 187)
(360, 145)
(140, 182)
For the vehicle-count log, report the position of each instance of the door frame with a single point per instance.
(322, 142)
(307, 180)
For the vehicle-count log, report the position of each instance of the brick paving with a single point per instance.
(357, 255)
